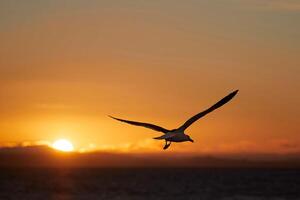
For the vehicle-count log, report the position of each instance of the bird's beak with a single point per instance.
(191, 140)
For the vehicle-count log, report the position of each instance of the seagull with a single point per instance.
(178, 134)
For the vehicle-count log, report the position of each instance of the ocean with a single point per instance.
(148, 183)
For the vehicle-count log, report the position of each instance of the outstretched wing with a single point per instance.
(212, 108)
(146, 125)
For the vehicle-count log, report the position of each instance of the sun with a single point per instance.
(63, 145)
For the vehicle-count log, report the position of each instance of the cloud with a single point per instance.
(143, 146)
(273, 5)
(274, 146)
(25, 144)
(147, 145)
(287, 145)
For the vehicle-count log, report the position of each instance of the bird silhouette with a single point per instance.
(178, 134)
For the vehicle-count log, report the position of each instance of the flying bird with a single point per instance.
(178, 134)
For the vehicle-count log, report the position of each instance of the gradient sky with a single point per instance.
(66, 65)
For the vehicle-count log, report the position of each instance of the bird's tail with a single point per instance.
(163, 137)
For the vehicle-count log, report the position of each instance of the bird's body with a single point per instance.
(174, 136)
(178, 135)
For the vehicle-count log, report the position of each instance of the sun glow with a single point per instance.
(63, 145)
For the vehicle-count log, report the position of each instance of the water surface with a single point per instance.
(169, 183)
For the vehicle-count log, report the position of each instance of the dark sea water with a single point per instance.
(111, 184)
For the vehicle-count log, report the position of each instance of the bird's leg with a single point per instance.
(167, 144)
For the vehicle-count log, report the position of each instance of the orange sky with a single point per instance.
(66, 65)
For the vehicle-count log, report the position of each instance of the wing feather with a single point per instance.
(203, 113)
(146, 125)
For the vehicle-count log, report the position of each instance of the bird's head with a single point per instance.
(189, 138)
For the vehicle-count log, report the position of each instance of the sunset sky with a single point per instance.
(66, 65)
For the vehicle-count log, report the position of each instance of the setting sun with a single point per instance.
(63, 145)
